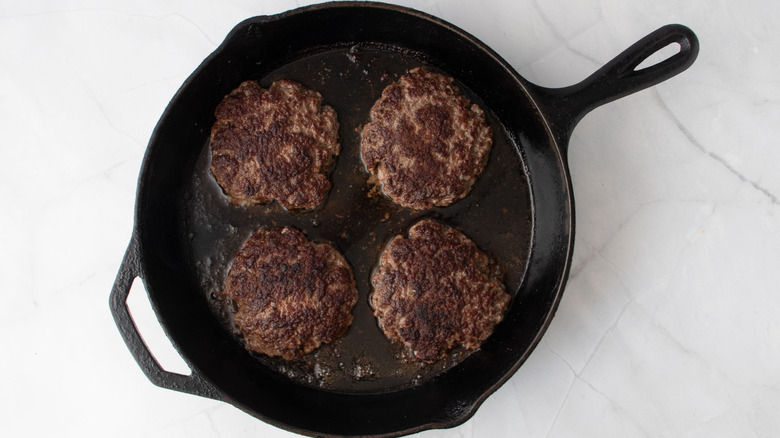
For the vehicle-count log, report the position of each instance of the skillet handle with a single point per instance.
(619, 78)
(128, 272)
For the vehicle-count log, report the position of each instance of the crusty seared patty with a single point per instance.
(292, 294)
(436, 290)
(426, 142)
(274, 144)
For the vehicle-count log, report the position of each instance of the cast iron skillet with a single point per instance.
(521, 211)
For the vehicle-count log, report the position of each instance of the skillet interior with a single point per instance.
(358, 222)
(188, 232)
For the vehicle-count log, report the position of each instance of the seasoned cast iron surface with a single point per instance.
(358, 221)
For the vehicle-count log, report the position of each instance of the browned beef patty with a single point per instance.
(274, 144)
(292, 295)
(436, 290)
(426, 142)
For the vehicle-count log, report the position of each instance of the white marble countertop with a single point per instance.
(670, 324)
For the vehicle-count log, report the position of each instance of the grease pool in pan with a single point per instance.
(495, 215)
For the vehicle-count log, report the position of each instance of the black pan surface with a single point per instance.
(520, 211)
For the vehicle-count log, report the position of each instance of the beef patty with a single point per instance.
(274, 144)
(426, 142)
(436, 290)
(292, 294)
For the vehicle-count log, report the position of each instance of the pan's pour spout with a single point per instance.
(620, 77)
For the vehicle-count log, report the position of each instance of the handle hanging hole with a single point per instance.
(659, 56)
(152, 333)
